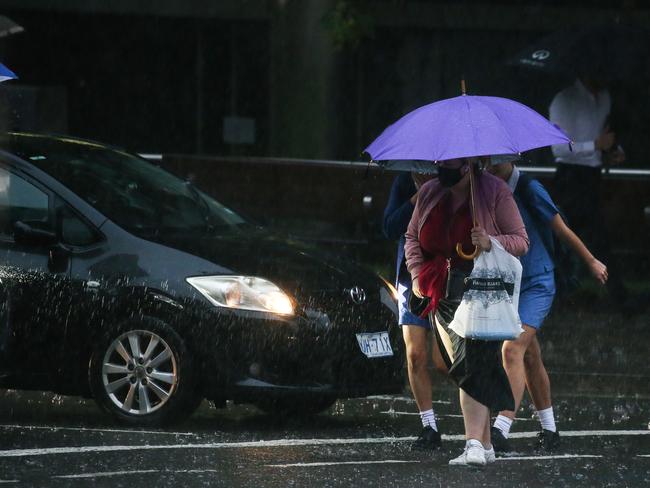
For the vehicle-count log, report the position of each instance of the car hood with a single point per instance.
(292, 265)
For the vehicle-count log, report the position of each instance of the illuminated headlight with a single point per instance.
(244, 293)
(391, 288)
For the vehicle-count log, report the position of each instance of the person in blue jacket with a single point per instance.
(418, 337)
(522, 357)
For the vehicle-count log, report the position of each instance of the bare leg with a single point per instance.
(415, 339)
(436, 355)
(513, 363)
(537, 381)
(476, 417)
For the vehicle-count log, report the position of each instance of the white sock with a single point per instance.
(547, 419)
(503, 423)
(429, 418)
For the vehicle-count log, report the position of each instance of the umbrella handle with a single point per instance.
(467, 257)
(459, 246)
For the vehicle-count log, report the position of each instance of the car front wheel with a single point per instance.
(140, 372)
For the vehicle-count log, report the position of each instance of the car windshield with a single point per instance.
(132, 192)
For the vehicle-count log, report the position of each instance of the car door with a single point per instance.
(35, 287)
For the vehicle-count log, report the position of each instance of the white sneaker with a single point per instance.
(490, 456)
(473, 455)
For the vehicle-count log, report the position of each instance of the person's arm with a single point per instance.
(398, 211)
(412, 250)
(597, 269)
(563, 114)
(513, 237)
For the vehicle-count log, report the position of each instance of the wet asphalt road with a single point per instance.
(601, 398)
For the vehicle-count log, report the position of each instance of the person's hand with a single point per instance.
(605, 140)
(415, 288)
(599, 271)
(481, 238)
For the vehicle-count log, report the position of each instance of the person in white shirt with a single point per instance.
(582, 111)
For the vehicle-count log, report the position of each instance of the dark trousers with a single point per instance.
(577, 191)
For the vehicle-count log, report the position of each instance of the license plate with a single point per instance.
(375, 345)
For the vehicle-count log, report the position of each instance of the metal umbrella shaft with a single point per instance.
(459, 246)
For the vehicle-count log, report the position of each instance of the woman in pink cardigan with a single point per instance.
(442, 217)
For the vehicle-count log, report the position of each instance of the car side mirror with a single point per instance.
(29, 235)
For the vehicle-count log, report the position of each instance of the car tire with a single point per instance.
(295, 407)
(141, 373)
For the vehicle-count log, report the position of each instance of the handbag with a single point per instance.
(456, 283)
(489, 307)
(416, 304)
(454, 289)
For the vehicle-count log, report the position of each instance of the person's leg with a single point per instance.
(539, 387)
(476, 418)
(416, 340)
(537, 381)
(513, 363)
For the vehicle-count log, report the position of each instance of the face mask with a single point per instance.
(449, 176)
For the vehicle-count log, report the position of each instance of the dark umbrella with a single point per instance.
(606, 51)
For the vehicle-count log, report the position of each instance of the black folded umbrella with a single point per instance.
(606, 51)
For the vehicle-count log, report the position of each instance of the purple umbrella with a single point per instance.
(465, 126)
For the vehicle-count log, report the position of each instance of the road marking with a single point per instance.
(401, 398)
(88, 429)
(105, 474)
(557, 456)
(291, 443)
(9, 481)
(643, 455)
(397, 461)
(444, 415)
(354, 463)
(583, 433)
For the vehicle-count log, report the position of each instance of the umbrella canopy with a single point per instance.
(465, 126)
(6, 73)
(609, 51)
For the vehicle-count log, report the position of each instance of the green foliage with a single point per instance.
(347, 24)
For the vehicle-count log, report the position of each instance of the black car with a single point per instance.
(124, 283)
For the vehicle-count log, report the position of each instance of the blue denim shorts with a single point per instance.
(405, 315)
(535, 298)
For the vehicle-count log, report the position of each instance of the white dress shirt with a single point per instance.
(582, 116)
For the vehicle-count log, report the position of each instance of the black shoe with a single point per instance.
(499, 441)
(428, 440)
(547, 440)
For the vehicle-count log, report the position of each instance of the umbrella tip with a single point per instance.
(463, 90)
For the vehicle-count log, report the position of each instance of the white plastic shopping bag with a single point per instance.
(488, 310)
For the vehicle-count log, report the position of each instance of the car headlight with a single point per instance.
(391, 288)
(244, 293)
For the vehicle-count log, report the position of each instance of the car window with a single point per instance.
(21, 201)
(74, 231)
(132, 192)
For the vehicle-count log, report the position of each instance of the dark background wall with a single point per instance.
(287, 78)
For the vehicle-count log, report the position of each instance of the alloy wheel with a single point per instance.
(139, 372)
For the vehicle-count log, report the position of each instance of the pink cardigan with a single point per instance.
(496, 212)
